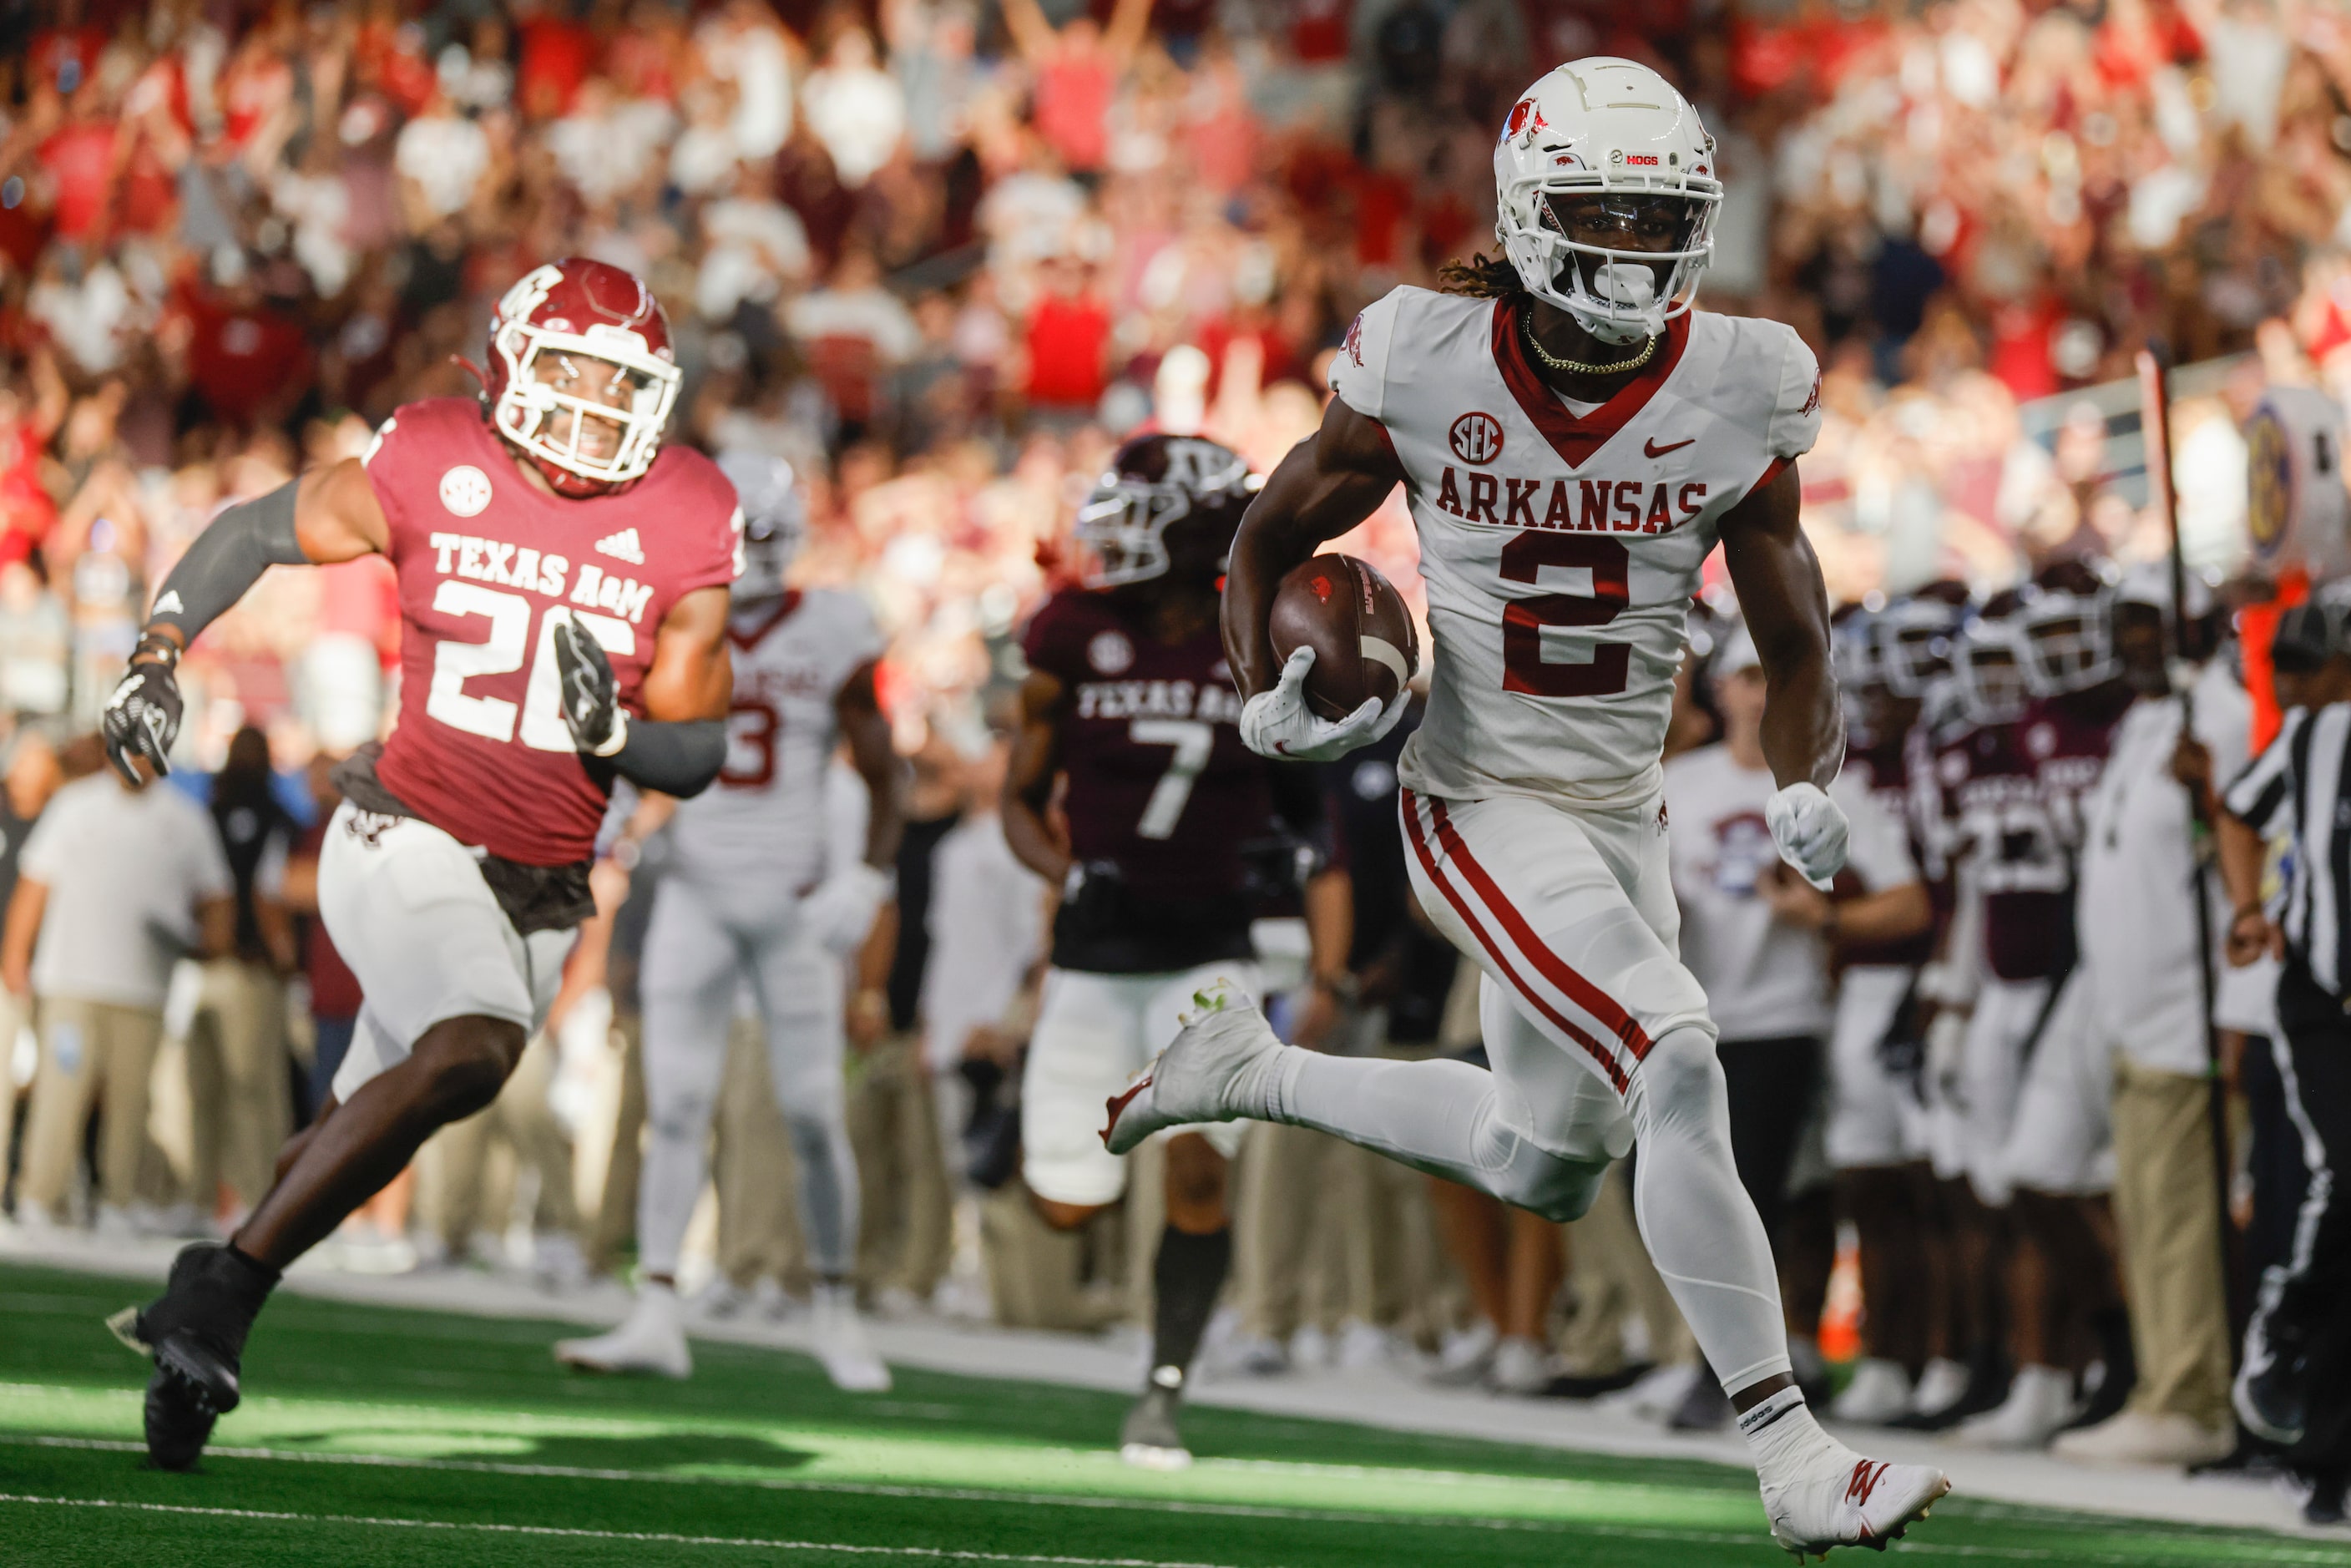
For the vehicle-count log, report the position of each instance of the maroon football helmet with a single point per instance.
(1169, 502)
(581, 377)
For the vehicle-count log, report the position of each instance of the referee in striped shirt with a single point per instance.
(2295, 1387)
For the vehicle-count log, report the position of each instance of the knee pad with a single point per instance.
(1679, 1081)
(680, 1118)
(1543, 1183)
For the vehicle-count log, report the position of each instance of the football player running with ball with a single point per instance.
(563, 592)
(1129, 712)
(1574, 439)
(750, 896)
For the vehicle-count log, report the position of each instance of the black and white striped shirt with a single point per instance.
(2300, 786)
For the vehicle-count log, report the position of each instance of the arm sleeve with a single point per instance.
(227, 559)
(2260, 792)
(677, 758)
(1796, 409)
(1359, 371)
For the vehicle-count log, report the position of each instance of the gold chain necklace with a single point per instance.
(1576, 367)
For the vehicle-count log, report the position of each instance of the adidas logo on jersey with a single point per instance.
(622, 546)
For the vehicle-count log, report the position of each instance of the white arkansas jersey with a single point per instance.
(764, 821)
(1562, 551)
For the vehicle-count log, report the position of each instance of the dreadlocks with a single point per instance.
(1481, 277)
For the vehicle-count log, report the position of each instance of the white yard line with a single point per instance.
(647, 1537)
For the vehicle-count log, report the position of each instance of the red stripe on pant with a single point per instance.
(1597, 1051)
(1554, 969)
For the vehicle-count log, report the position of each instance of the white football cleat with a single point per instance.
(1879, 1393)
(652, 1340)
(836, 1339)
(2040, 1402)
(1831, 1495)
(1214, 1071)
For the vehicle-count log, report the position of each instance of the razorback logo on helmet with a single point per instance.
(1526, 118)
(1476, 438)
(1353, 346)
(1813, 401)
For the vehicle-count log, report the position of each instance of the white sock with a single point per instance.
(1780, 1429)
(1435, 1116)
(1700, 1227)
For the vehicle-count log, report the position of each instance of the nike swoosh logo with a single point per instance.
(1651, 449)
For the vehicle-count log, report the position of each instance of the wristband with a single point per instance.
(619, 736)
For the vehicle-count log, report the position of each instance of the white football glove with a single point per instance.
(840, 913)
(1278, 723)
(1809, 830)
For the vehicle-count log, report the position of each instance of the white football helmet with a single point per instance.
(1989, 667)
(1915, 637)
(2069, 641)
(775, 521)
(1612, 135)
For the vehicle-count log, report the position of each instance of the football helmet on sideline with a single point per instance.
(775, 521)
(1169, 504)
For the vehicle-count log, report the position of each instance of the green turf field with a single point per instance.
(378, 1436)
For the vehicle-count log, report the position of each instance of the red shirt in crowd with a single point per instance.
(556, 56)
(241, 359)
(1072, 110)
(79, 158)
(1067, 342)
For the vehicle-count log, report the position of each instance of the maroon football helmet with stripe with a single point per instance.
(581, 377)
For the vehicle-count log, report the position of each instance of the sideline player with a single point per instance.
(1129, 705)
(1573, 439)
(563, 589)
(746, 895)
(2036, 1092)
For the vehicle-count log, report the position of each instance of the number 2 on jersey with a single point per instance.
(501, 653)
(1524, 668)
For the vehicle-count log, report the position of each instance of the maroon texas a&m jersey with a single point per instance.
(1159, 782)
(2014, 793)
(485, 562)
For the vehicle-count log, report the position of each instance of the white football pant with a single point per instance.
(702, 946)
(1597, 1035)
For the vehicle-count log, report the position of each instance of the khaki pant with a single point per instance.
(905, 1240)
(92, 1053)
(239, 1094)
(1611, 1279)
(759, 1188)
(464, 1188)
(2167, 1217)
(1040, 1278)
(616, 1208)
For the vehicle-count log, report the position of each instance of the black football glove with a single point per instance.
(591, 694)
(142, 719)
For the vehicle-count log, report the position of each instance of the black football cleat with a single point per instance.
(194, 1334)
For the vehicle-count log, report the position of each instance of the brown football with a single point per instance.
(1362, 636)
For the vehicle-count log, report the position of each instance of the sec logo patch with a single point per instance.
(466, 490)
(1477, 438)
(1110, 652)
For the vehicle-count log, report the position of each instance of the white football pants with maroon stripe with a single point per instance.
(1598, 1037)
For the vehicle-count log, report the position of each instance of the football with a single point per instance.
(1364, 643)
